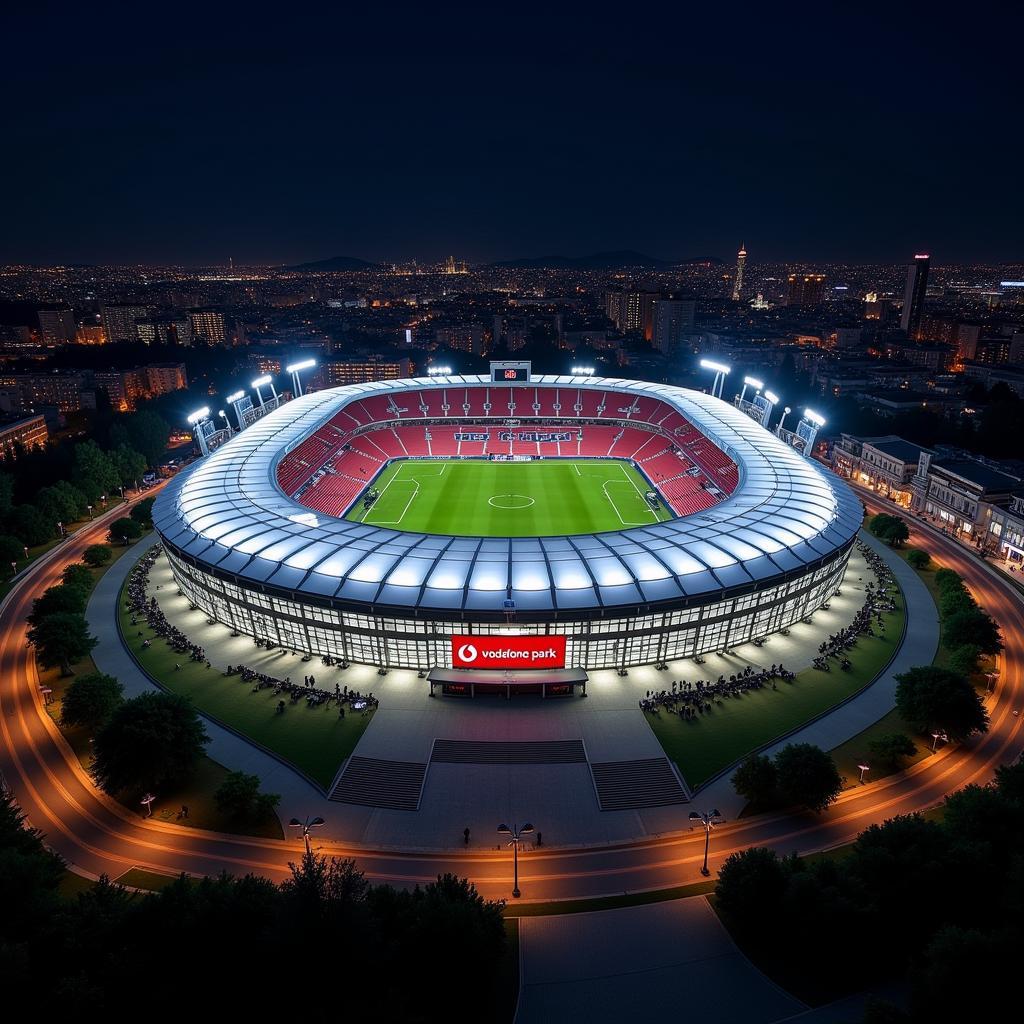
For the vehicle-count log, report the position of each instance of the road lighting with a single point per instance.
(863, 768)
(721, 371)
(515, 834)
(294, 369)
(147, 800)
(936, 736)
(25, 549)
(708, 820)
(307, 826)
(60, 526)
(90, 511)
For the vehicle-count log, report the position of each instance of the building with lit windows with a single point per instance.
(257, 537)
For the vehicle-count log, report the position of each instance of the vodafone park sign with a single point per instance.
(508, 651)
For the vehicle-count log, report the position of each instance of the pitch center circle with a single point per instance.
(511, 502)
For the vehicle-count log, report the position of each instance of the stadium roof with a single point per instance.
(228, 514)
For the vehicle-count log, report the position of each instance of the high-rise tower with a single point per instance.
(741, 262)
(913, 295)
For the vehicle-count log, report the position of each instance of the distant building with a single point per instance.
(120, 321)
(805, 290)
(673, 322)
(65, 392)
(952, 491)
(741, 262)
(461, 338)
(913, 296)
(56, 326)
(163, 378)
(91, 334)
(26, 433)
(208, 326)
(337, 372)
(169, 329)
(631, 309)
(886, 465)
(124, 388)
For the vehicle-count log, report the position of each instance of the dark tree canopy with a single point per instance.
(90, 700)
(972, 626)
(756, 779)
(61, 639)
(807, 776)
(931, 698)
(150, 741)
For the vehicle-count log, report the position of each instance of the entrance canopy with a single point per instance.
(470, 682)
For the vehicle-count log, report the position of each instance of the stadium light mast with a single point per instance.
(750, 382)
(583, 371)
(721, 371)
(197, 420)
(807, 430)
(439, 371)
(770, 401)
(262, 382)
(785, 413)
(235, 401)
(294, 370)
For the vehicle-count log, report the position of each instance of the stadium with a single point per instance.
(434, 522)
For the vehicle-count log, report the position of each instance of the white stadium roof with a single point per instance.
(227, 514)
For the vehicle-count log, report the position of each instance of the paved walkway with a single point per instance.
(298, 797)
(918, 648)
(657, 962)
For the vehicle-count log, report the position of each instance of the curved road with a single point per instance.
(97, 836)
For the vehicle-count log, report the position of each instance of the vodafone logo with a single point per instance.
(508, 651)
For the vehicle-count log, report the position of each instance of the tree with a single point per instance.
(955, 599)
(239, 797)
(964, 659)
(94, 472)
(57, 599)
(890, 750)
(124, 530)
(932, 698)
(807, 776)
(878, 524)
(947, 578)
(61, 639)
(128, 463)
(150, 741)
(974, 626)
(96, 555)
(11, 549)
(147, 432)
(918, 559)
(28, 524)
(78, 577)
(750, 889)
(896, 532)
(142, 512)
(90, 700)
(755, 780)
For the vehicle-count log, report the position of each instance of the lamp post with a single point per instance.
(863, 769)
(60, 526)
(147, 801)
(515, 834)
(307, 826)
(936, 736)
(785, 413)
(708, 820)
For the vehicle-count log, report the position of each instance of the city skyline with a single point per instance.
(499, 139)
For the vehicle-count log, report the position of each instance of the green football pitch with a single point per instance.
(510, 499)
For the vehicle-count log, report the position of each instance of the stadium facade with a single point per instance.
(760, 536)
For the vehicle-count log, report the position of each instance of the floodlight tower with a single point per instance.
(235, 401)
(807, 430)
(196, 421)
(721, 371)
(294, 369)
(770, 400)
(261, 382)
(752, 382)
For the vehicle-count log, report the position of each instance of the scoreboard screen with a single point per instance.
(510, 372)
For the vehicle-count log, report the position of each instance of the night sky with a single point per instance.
(174, 134)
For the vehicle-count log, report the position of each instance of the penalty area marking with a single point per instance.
(518, 501)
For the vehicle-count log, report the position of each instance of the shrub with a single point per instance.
(918, 559)
(96, 555)
(890, 750)
(124, 530)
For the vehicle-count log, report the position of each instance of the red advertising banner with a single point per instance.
(508, 651)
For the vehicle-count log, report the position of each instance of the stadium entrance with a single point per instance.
(507, 683)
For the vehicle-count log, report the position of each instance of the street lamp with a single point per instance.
(708, 820)
(785, 413)
(721, 371)
(147, 800)
(60, 526)
(294, 369)
(863, 768)
(90, 511)
(936, 736)
(515, 834)
(306, 827)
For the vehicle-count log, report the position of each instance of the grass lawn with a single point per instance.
(151, 881)
(510, 499)
(705, 745)
(314, 740)
(854, 751)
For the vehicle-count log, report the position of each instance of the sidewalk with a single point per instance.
(920, 643)
(299, 798)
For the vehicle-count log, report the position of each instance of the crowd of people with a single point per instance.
(145, 608)
(879, 598)
(688, 700)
